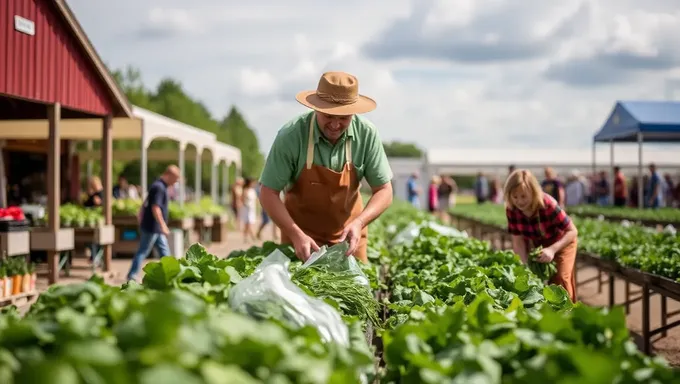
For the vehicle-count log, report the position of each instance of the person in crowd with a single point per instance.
(432, 198)
(153, 220)
(481, 188)
(95, 198)
(552, 186)
(670, 189)
(602, 189)
(123, 190)
(249, 210)
(654, 197)
(95, 192)
(620, 191)
(496, 191)
(633, 192)
(536, 220)
(237, 199)
(265, 220)
(575, 191)
(413, 190)
(446, 197)
(320, 158)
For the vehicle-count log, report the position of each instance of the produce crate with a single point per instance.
(102, 235)
(14, 225)
(203, 229)
(15, 243)
(127, 233)
(220, 228)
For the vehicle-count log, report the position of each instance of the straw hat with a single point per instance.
(337, 94)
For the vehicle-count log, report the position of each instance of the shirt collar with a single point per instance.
(348, 133)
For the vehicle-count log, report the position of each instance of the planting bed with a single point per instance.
(451, 310)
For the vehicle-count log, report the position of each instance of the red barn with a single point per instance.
(50, 70)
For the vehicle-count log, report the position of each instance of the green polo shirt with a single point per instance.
(288, 154)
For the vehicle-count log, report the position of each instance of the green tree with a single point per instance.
(234, 130)
(170, 99)
(399, 149)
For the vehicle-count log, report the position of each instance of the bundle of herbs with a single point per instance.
(340, 289)
(544, 271)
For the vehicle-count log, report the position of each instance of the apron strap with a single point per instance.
(348, 150)
(310, 142)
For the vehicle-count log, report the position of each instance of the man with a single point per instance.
(620, 188)
(319, 159)
(153, 219)
(602, 189)
(552, 186)
(413, 190)
(656, 187)
(481, 188)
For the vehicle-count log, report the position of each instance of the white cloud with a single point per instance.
(483, 73)
(258, 83)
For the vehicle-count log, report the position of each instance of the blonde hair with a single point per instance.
(94, 184)
(524, 179)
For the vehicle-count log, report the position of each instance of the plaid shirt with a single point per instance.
(545, 228)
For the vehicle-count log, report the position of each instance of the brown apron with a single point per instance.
(322, 201)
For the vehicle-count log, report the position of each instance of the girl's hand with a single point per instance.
(547, 255)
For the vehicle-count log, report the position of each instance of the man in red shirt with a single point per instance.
(620, 190)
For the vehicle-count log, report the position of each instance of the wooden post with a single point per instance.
(107, 183)
(53, 185)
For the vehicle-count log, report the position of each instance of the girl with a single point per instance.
(535, 219)
(248, 207)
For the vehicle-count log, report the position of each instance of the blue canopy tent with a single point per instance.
(640, 122)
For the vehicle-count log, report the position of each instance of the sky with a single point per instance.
(445, 74)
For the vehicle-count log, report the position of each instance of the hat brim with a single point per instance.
(311, 100)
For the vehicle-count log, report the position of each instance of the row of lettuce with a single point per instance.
(647, 249)
(77, 216)
(460, 312)
(659, 215)
(451, 311)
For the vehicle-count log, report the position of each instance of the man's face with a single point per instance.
(331, 126)
(172, 178)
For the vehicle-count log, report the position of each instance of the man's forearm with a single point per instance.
(158, 215)
(272, 204)
(380, 200)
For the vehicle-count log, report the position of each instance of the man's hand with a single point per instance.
(547, 255)
(304, 246)
(352, 233)
(166, 230)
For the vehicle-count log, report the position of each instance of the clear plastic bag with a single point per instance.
(411, 231)
(270, 293)
(334, 259)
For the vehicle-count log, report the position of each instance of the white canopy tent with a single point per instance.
(146, 126)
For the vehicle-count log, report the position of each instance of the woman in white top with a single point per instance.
(575, 191)
(248, 210)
